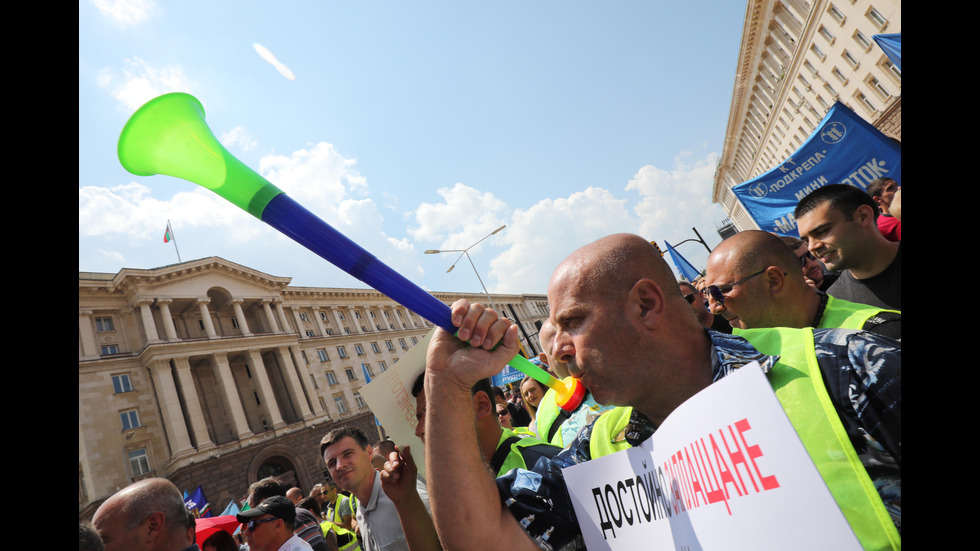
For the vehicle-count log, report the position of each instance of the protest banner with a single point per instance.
(724, 471)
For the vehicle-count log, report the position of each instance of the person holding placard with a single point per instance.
(629, 336)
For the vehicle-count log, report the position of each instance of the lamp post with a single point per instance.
(467, 254)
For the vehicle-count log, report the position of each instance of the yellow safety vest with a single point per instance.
(548, 414)
(798, 384)
(346, 540)
(609, 432)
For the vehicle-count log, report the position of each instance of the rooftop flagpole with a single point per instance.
(168, 236)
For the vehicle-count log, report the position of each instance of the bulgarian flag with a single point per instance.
(168, 235)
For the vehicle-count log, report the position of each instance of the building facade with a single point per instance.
(797, 58)
(213, 374)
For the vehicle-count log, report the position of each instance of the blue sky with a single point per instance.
(411, 126)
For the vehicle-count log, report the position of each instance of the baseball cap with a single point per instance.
(277, 506)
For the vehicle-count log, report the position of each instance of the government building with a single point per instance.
(212, 374)
(797, 58)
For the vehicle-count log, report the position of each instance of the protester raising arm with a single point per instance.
(462, 493)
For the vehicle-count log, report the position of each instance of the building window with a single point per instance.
(341, 404)
(840, 76)
(120, 384)
(383, 366)
(360, 401)
(104, 324)
(309, 333)
(359, 349)
(303, 316)
(331, 379)
(347, 330)
(374, 348)
(342, 351)
(130, 419)
(110, 349)
(340, 315)
(818, 52)
(351, 376)
(876, 84)
(391, 347)
(330, 331)
(371, 312)
(415, 340)
(849, 59)
(862, 40)
(403, 343)
(322, 354)
(878, 19)
(139, 463)
(867, 103)
(836, 14)
(367, 367)
(357, 314)
(827, 34)
(830, 89)
(234, 322)
(323, 316)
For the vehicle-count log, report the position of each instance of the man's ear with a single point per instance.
(646, 301)
(483, 405)
(775, 279)
(864, 215)
(154, 526)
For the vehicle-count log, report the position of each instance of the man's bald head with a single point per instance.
(149, 514)
(752, 250)
(609, 267)
(770, 288)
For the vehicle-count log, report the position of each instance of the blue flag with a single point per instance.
(844, 149)
(231, 509)
(683, 266)
(197, 504)
(506, 376)
(891, 44)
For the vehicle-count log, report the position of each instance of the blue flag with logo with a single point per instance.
(197, 504)
(506, 376)
(844, 149)
(683, 266)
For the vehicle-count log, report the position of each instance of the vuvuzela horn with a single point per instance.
(168, 135)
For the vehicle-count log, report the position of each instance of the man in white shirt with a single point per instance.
(269, 526)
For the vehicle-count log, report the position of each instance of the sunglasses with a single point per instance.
(251, 525)
(503, 413)
(716, 293)
(804, 257)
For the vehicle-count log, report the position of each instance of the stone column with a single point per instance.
(295, 387)
(269, 316)
(353, 319)
(228, 389)
(340, 322)
(236, 303)
(319, 321)
(265, 388)
(299, 324)
(168, 320)
(90, 345)
(283, 323)
(202, 303)
(149, 326)
(169, 402)
(193, 404)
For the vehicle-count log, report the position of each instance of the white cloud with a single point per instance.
(238, 137)
(465, 217)
(138, 82)
(125, 12)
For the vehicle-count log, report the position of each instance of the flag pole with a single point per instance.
(169, 236)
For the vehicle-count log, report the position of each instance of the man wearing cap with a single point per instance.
(269, 526)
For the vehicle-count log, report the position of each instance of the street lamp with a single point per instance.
(467, 254)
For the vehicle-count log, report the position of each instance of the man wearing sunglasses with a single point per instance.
(269, 526)
(753, 281)
(629, 336)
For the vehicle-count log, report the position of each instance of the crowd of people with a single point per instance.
(825, 307)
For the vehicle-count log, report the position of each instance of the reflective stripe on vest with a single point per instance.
(609, 432)
(346, 540)
(799, 386)
(845, 314)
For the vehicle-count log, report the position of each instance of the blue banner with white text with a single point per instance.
(843, 149)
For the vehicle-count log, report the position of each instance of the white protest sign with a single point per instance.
(390, 398)
(724, 471)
